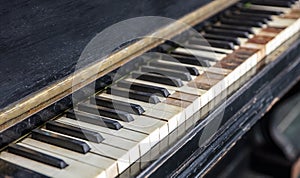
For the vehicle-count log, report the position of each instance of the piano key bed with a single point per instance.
(130, 123)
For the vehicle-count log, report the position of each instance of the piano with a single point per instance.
(147, 89)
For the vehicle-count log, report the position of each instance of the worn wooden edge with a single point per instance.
(37, 101)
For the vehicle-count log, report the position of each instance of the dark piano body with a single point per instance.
(41, 42)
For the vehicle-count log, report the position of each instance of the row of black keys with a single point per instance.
(234, 24)
(105, 107)
(238, 23)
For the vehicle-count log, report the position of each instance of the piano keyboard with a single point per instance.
(135, 119)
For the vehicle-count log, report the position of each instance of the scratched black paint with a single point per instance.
(40, 41)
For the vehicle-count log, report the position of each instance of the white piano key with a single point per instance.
(283, 36)
(200, 53)
(269, 8)
(109, 165)
(192, 99)
(244, 40)
(191, 46)
(279, 22)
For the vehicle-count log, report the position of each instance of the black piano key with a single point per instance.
(37, 156)
(185, 76)
(222, 38)
(202, 42)
(257, 15)
(225, 32)
(221, 44)
(118, 105)
(217, 43)
(106, 112)
(158, 79)
(60, 141)
(74, 131)
(191, 70)
(136, 95)
(188, 59)
(234, 27)
(276, 3)
(255, 11)
(93, 119)
(143, 88)
(247, 18)
(247, 23)
(10, 170)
